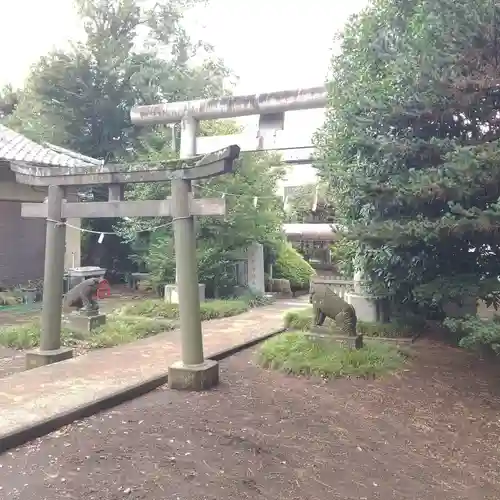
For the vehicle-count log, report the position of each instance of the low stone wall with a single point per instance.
(279, 286)
(340, 286)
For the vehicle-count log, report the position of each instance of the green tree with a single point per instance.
(81, 98)
(9, 99)
(410, 147)
(309, 202)
(133, 54)
(291, 266)
(254, 213)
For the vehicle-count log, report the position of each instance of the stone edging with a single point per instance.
(319, 334)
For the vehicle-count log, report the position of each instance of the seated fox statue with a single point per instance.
(326, 303)
(81, 296)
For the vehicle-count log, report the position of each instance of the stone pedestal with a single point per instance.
(37, 358)
(368, 308)
(256, 279)
(29, 296)
(86, 322)
(354, 342)
(172, 296)
(78, 274)
(193, 377)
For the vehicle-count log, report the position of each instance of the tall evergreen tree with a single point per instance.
(411, 146)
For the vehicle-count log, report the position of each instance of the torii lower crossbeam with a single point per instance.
(181, 207)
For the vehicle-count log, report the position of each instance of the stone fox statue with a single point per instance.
(326, 303)
(81, 296)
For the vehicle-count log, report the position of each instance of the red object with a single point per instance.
(104, 290)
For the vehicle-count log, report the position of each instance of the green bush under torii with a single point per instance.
(411, 147)
(253, 213)
(290, 265)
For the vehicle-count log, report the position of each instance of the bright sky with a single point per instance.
(270, 44)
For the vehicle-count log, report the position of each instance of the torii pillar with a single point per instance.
(192, 371)
(186, 273)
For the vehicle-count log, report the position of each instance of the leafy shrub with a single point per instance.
(475, 333)
(160, 259)
(343, 254)
(122, 331)
(27, 335)
(290, 265)
(297, 354)
(257, 299)
(215, 268)
(301, 319)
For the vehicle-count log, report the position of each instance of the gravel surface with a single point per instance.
(429, 432)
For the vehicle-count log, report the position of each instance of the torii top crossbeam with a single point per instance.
(231, 107)
(198, 167)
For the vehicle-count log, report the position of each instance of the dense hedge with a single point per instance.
(290, 265)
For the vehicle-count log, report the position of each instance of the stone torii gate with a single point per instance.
(272, 136)
(271, 108)
(193, 371)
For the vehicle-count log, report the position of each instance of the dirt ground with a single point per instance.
(430, 432)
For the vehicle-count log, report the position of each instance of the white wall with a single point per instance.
(297, 175)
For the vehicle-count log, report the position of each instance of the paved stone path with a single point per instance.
(11, 361)
(32, 396)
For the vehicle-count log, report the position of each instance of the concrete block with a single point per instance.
(280, 286)
(37, 358)
(193, 377)
(86, 323)
(172, 296)
(256, 279)
(368, 307)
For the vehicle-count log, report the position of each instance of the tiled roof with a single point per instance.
(16, 147)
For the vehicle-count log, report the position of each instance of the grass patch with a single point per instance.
(132, 322)
(211, 309)
(9, 299)
(115, 332)
(27, 335)
(301, 320)
(296, 354)
(120, 331)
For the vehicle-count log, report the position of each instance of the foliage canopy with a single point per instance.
(290, 265)
(411, 148)
(253, 213)
(132, 54)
